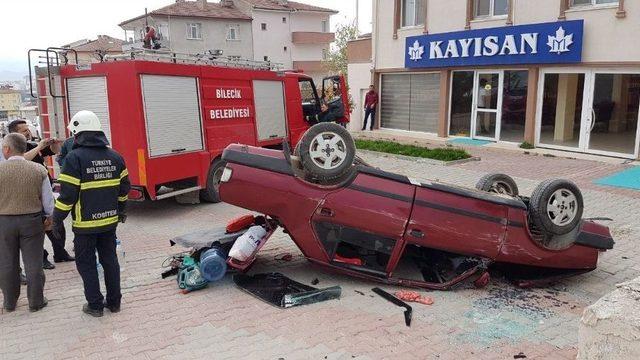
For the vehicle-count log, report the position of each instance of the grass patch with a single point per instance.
(390, 147)
(526, 145)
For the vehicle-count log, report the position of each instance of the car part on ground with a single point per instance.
(413, 296)
(280, 291)
(210, 192)
(498, 184)
(408, 310)
(556, 206)
(327, 152)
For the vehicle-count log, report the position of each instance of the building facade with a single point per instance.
(560, 74)
(294, 34)
(195, 27)
(10, 101)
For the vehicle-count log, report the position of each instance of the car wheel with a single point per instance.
(556, 206)
(210, 193)
(327, 152)
(499, 184)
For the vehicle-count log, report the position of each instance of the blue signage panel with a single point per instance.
(546, 43)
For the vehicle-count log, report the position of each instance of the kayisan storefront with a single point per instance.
(514, 84)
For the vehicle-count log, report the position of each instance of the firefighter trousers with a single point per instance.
(85, 251)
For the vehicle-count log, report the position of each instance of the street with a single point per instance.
(221, 321)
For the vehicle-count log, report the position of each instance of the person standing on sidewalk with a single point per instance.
(26, 194)
(94, 188)
(370, 104)
(36, 152)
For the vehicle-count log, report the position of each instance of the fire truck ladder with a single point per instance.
(50, 92)
(209, 58)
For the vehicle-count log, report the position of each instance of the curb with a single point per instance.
(419, 159)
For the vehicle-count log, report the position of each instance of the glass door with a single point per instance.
(589, 111)
(613, 114)
(562, 115)
(487, 102)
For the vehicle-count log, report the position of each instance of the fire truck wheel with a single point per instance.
(327, 151)
(210, 193)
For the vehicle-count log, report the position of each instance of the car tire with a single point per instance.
(556, 206)
(210, 193)
(326, 151)
(498, 183)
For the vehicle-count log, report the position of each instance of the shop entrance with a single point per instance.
(594, 111)
(489, 105)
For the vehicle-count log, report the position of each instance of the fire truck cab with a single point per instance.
(171, 115)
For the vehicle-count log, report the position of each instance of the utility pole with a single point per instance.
(358, 17)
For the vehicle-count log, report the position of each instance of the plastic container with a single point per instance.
(213, 264)
(120, 253)
(246, 245)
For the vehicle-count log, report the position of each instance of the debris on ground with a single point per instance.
(359, 292)
(315, 281)
(278, 290)
(385, 295)
(284, 257)
(413, 296)
(520, 356)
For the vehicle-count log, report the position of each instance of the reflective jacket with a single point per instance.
(94, 185)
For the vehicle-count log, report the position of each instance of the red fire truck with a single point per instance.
(171, 115)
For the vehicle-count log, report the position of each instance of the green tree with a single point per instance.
(336, 61)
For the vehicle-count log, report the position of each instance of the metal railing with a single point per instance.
(199, 59)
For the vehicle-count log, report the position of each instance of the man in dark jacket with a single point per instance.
(94, 187)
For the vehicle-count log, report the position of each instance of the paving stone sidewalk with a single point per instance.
(157, 322)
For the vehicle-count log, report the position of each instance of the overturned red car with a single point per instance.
(358, 220)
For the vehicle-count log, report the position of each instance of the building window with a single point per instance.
(194, 31)
(233, 32)
(265, 58)
(284, 20)
(592, 2)
(413, 12)
(285, 48)
(488, 8)
(325, 25)
(234, 57)
(263, 26)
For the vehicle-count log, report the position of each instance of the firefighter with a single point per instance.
(94, 187)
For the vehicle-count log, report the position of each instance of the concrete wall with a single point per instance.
(359, 80)
(602, 27)
(610, 328)
(271, 42)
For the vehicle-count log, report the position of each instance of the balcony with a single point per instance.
(138, 44)
(309, 37)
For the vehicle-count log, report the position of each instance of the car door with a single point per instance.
(457, 220)
(361, 225)
(334, 89)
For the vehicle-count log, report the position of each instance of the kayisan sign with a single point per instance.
(546, 43)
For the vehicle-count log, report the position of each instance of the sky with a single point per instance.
(42, 23)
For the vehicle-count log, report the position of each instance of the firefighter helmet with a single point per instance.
(84, 121)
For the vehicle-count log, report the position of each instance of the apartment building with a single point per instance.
(294, 34)
(92, 50)
(561, 74)
(195, 27)
(10, 101)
